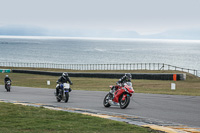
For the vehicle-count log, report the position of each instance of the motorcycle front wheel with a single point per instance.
(58, 99)
(105, 101)
(8, 88)
(66, 96)
(124, 103)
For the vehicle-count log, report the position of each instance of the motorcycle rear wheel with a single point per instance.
(124, 103)
(105, 101)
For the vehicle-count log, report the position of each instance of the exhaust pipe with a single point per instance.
(113, 103)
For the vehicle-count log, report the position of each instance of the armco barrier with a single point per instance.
(150, 76)
(118, 66)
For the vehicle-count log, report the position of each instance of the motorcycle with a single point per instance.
(121, 96)
(63, 93)
(8, 86)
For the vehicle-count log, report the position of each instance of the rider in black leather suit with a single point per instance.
(63, 79)
(126, 78)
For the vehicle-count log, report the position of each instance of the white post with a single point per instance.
(173, 86)
(48, 82)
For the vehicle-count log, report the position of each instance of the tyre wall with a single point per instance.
(149, 76)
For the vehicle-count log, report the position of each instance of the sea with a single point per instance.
(74, 50)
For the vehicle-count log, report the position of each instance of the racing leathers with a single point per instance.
(123, 80)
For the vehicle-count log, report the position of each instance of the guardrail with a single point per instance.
(149, 76)
(191, 71)
(120, 66)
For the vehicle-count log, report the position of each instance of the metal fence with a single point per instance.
(120, 66)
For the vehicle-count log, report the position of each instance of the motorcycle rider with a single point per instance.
(126, 78)
(5, 81)
(63, 79)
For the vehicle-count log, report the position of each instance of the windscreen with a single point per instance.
(128, 83)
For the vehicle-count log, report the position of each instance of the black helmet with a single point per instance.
(65, 74)
(128, 76)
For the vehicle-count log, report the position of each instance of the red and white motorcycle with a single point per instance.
(121, 96)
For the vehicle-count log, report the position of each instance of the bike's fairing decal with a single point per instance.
(61, 86)
(117, 95)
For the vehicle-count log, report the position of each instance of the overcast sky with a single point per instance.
(142, 16)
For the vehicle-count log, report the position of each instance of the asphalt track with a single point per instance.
(167, 108)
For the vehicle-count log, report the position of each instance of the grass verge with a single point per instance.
(189, 87)
(22, 119)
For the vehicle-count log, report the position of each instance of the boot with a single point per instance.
(57, 91)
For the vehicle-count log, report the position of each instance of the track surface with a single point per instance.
(170, 108)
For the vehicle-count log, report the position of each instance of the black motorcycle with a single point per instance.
(8, 86)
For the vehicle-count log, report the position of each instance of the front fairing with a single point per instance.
(128, 87)
(117, 94)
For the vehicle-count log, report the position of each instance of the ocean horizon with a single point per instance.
(79, 50)
(99, 38)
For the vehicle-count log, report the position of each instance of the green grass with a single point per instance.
(22, 119)
(189, 87)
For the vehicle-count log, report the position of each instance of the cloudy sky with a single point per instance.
(142, 16)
